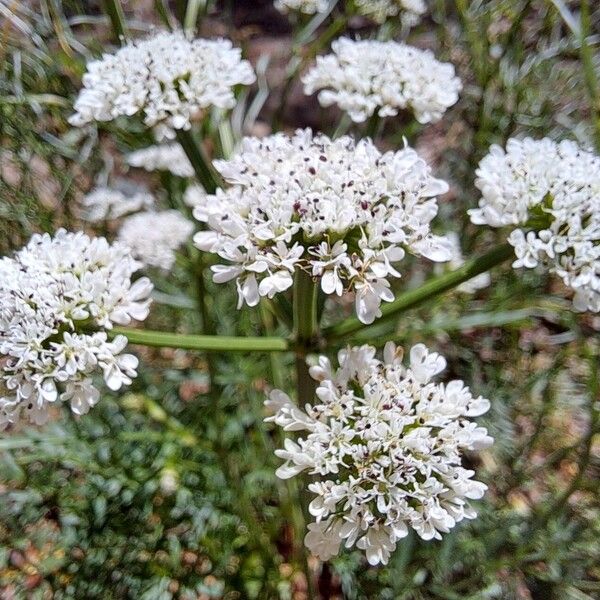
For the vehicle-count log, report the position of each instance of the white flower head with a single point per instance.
(550, 194)
(155, 236)
(309, 7)
(162, 157)
(166, 77)
(342, 211)
(410, 11)
(384, 443)
(377, 10)
(366, 77)
(57, 295)
(104, 203)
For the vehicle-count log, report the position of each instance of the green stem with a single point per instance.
(429, 290)
(305, 309)
(117, 19)
(164, 14)
(373, 126)
(298, 66)
(207, 323)
(476, 41)
(197, 156)
(589, 70)
(203, 343)
(192, 12)
(277, 370)
(305, 331)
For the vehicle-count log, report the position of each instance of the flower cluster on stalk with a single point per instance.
(549, 193)
(341, 211)
(162, 157)
(379, 11)
(104, 203)
(366, 77)
(153, 237)
(309, 7)
(167, 77)
(384, 444)
(410, 11)
(58, 295)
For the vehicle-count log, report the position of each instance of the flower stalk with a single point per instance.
(306, 327)
(587, 60)
(203, 343)
(306, 332)
(299, 64)
(197, 156)
(117, 18)
(429, 290)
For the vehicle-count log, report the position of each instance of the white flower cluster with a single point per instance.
(57, 295)
(366, 76)
(381, 10)
(342, 211)
(309, 7)
(162, 157)
(378, 10)
(384, 443)
(153, 237)
(168, 77)
(551, 192)
(104, 203)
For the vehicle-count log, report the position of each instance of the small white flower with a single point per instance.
(155, 236)
(166, 77)
(384, 442)
(339, 210)
(550, 193)
(195, 196)
(105, 203)
(323, 538)
(366, 76)
(56, 296)
(163, 157)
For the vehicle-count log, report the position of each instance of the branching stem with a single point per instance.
(429, 290)
(202, 343)
(201, 163)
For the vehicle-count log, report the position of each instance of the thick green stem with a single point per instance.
(117, 18)
(201, 163)
(306, 328)
(429, 290)
(202, 343)
(305, 309)
(306, 333)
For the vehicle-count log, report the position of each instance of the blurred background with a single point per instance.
(161, 492)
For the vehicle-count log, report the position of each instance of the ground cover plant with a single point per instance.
(300, 299)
